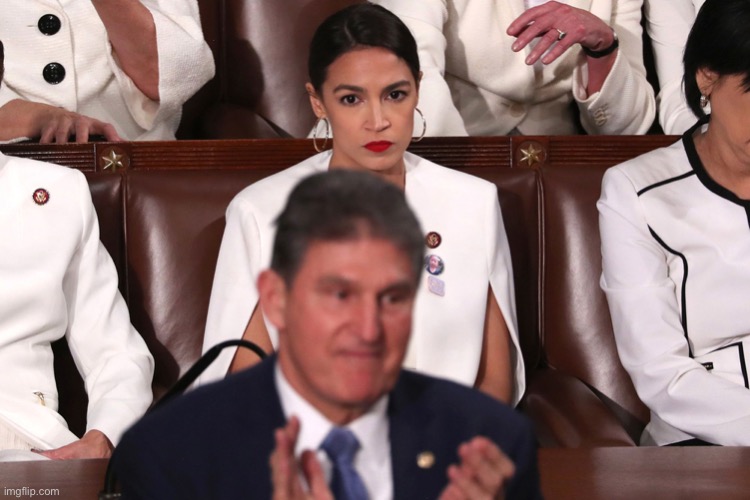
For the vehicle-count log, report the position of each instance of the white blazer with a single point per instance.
(473, 83)
(676, 271)
(447, 330)
(56, 279)
(668, 25)
(94, 84)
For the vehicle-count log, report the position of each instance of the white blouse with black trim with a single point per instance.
(676, 272)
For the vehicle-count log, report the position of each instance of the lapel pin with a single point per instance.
(434, 265)
(433, 239)
(425, 460)
(41, 196)
(436, 286)
(40, 395)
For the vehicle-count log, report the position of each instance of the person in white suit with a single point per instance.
(57, 280)
(675, 232)
(120, 69)
(668, 25)
(364, 82)
(501, 67)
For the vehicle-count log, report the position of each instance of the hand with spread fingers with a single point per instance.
(481, 474)
(285, 470)
(558, 27)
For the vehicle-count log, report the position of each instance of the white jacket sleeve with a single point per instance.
(648, 331)
(113, 359)
(501, 283)
(625, 104)
(425, 20)
(185, 62)
(668, 25)
(234, 295)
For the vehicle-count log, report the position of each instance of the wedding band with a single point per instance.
(560, 34)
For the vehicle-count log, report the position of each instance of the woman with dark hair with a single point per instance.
(675, 229)
(364, 86)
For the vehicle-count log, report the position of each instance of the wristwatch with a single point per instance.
(597, 54)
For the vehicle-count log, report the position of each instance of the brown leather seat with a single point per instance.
(580, 395)
(163, 217)
(260, 49)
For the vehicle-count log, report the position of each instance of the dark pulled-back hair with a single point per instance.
(358, 26)
(340, 205)
(719, 42)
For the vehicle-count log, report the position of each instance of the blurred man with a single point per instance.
(333, 409)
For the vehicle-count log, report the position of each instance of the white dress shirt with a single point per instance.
(373, 459)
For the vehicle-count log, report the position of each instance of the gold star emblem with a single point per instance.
(112, 160)
(531, 155)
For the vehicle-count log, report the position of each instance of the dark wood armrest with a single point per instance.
(567, 414)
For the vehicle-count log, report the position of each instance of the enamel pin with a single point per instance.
(433, 239)
(41, 196)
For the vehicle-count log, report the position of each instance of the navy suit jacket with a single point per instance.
(215, 442)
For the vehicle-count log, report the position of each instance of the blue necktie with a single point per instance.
(340, 445)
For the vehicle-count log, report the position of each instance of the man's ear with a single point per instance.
(272, 295)
(706, 79)
(315, 101)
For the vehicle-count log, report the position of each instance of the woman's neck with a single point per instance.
(395, 174)
(727, 165)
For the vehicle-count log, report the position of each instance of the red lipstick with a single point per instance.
(378, 146)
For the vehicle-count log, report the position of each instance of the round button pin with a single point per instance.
(433, 239)
(434, 265)
(49, 24)
(41, 196)
(54, 73)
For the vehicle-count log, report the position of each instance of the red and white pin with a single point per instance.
(433, 239)
(41, 196)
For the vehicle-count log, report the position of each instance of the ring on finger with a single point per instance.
(560, 34)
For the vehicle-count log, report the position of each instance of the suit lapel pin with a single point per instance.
(41, 196)
(425, 460)
(433, 239)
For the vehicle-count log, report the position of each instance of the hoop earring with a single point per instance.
(424, 126)
(704, 101)
(320, 149)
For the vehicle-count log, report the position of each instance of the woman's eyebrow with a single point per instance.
(355, 88)
(396, 85)
(351, 88)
